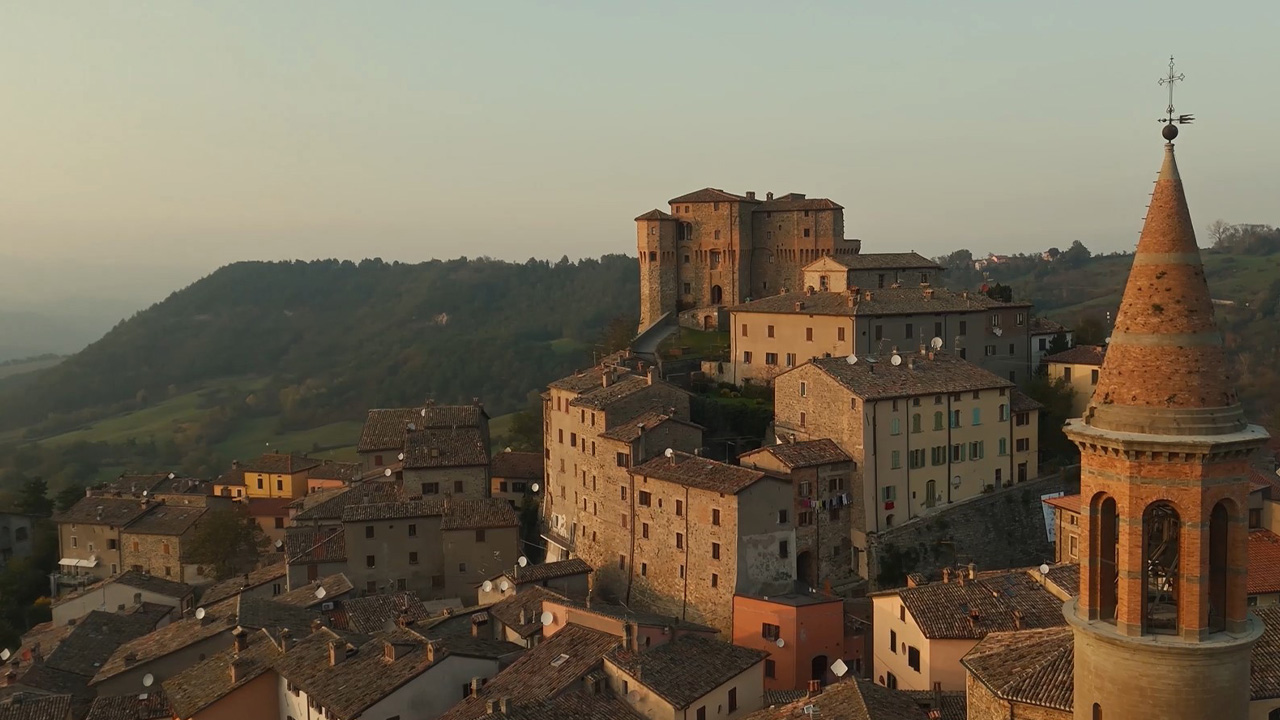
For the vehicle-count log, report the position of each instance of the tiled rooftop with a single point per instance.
(170, 638)
(384, 429)
(27, 706)
(534, 678)
(329, 504)
(971, 610)
(548, 571)
(475, 514)
(1264, 562)
(279, 463)
(88, 647)
(137, 580)
(306, 545)
(373, 613)
(917, 375)
(103, 511)
(508, 611)
(511, 465)
(699, 472)
(149, 705)
(203, 684)
(165, 519)
(601, 397)
(709, 194)
(445, 447)
(334, 587)
(572, 704)
(333, 470)
(851, 699)
(1040, 325)
(1079, 355)
(687, 668)
(1070, 503)
(631, 430)
(1030, 666)
(886, 261)
(234, 586)
(883, 301)
(805, 454)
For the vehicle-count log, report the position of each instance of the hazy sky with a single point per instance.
(188, 135)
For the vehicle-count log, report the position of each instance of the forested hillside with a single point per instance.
(321, 341)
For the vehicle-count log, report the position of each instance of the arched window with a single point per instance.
(1097, 712)
(1219, 521)
(1160, 571)
(716, 294)
(1103, 538)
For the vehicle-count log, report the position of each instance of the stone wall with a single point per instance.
(159, 555)
(1004, 529)
(982, 704)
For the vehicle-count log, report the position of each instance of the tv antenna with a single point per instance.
(1170, 121)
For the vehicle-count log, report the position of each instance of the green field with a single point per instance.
(695, 343)
(336, 441)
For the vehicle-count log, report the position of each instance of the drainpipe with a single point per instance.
(875, 464)
(948, 422)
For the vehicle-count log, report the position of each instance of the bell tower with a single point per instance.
(1161, 624)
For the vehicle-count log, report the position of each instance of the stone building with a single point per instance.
(446, 461)
(774, 334)
(596, 424)
(158, 543)
(928, 431)
(828, 511)
(838, 273)
(382, 440)
(436, 547)
(516, 476)
(689, 533)
(1079, 368)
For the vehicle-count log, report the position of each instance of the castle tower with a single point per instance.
(656, 233)
(1161, 624)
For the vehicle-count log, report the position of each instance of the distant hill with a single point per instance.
(327, 339)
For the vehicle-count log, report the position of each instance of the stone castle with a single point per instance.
(716, 249)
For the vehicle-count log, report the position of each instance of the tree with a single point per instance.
(1091, 330)
(1058, 344)
(1220, 231)
(226, 542)
(1076, 255)
(1000, 292)
(1053, 253)
(1057, 397)
(67, 496)
(33, 499)
(618, 334)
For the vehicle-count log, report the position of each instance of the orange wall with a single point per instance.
(256, 698)
(807, 631)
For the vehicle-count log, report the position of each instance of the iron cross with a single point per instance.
(1170, 79)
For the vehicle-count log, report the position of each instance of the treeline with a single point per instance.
(336, 337)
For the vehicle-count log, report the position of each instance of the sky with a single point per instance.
(148, 143)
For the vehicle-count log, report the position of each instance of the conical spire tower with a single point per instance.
(1166, 370)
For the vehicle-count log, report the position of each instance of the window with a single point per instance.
(279, 524)
(1020, 319)
(377, 460)
(702, 713)
(893, 641)
(895, 427)
(807, 231)
(462, 567)
(975, 450)
(1004, 446)
(644, 569)
(913, 658)
(717, 233)
(457, 486)
(1072, 546)
(783, 551)
(135, 544)
(771, 358)
(835, 484)
(977, 416)
(937, 329)
(480, 536)
(1066, 374)
(782, 517)
(1022, 444)
(679, 508)
(770, 669)
(644, 498)
(279, 485)
(715, 580)
(995, 319)
(957, 452)
(879, 332)
(917, 458)
(911, 331)
(955, 418)
(1021, 419)
(259, 483)
(622, 562)
(769, 631)
(679, 541)
(623, 517)
(715, 516)
(964, 327)
(768, 331)
(733, 699)
(895, 461)
(1004, 413)
(891, 681)
(989, 350)
(623, 459)
(369, 561)
(744, 329)
(688, 289)
(791, 359)
(164, 548)
(938, 455)
(746, 357)
(902, 613)
(804, 518)
(715, 551)
(808, 334)
(840, 334)
(804, 389)
(644, 530)
(413, 558)
(431, 488)
(413, 530)
(937, 420)
(889, 493)
(915, 422)
(368, 531)
(1094, 376)
(623, 491)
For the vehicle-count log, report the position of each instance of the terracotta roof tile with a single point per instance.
(384, 429)
(1035, 667)
(1066, 577)
(330, 504)
(306, 545)
(1264, 562)
(89, 646)
(335, 586)
(601, 397)
(655, 214)
(445, 447)
(883, 301)
(465, 514)
(687, 668)
(852, 699)
(630, 430)
(796, 201)
(1264, 665)
(548, 571)
(709, 194)
(886, 261)
(529, 601)
(511, 465)
(137, 580)
(116, 512)
(917, 375)
(571, 704)
(203, 684)
(150, 705)
(805, 454)
(541, 674)
(1070, 503)
(165, 519)
(332, 470)
(1020, 402)
(1040, 325)
(234, 586)
(1079, 355)
(699, 472)
(972, 610)
(279, 463)
(372, 613)
(220, 617)
(26, 706)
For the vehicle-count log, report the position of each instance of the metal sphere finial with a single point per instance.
(1169, 131)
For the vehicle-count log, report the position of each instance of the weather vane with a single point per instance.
(1171, 122)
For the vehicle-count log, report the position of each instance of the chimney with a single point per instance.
(504, 705)
(751, 194)
(946, 575)
(606, 377)
(1017, 619)
(799, 305)
(239, 639)
(768, 195)
(476, 684)
(651, 375)
(238, 669)
(10, 677)
(524, 618)
(475, 629)
(852, 298)
(815, 688)
(336, 653)
(961, 576)
(316, 625)
(491, 706)
(391, 651)
(286, 639)
(973, 570)
(809, 290)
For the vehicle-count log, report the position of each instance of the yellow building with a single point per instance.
(1079, 367)
(273, 475)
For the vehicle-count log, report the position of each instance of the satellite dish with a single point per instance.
(852, 359)
(633, 696)
(955, 481)
(148, 680)
(780, 642)
(896, 360)
(172, 476)
(503, 585)
(936, 343)
(199, 613)
(1044, 569)
(5, 654)
(523, 561)
(423, 412)
(400, 456)
(320, 593)
(669, 452)
(387, 472)
(547, 618)
(1107, 341)
(487, 586)
(279, 544)
(535, 487)
(144, 493)
(839, 668)
(413, 426)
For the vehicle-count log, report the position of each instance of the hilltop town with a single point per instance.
(895, 544)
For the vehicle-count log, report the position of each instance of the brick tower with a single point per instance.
(1161, 624)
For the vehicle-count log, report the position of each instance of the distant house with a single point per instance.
(566, 577)
(1040, 332)
(516, 476)
(1079, 367)
(127, 590)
